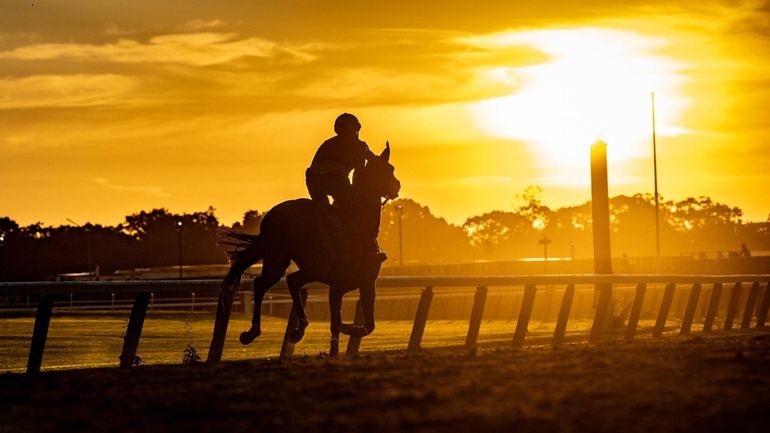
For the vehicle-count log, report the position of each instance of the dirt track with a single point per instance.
(719, 383)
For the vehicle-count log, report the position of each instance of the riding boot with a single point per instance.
(379, 252)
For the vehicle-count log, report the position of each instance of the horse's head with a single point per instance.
(378, 177)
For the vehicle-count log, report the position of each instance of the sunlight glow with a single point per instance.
(595, 85)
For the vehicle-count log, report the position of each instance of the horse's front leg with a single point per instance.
(367, 293)
(335, 307)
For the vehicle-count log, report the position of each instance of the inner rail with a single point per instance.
(756, 306)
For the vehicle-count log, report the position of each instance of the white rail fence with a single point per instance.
(747, 291)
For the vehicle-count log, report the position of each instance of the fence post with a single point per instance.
(134, 330)
(479, 300)
(716, 292)
(732, 308)
(355, 342)
(112, 301)
(561, 322)
(224, 306)
(40, 333)
(420, 318)
(600, 316)
(526, 312)
(192, 301)
(762, 313)
(287, 347)
(689, 311)
(665, 306)
(751, 303)
(636, 311)
(247, 299)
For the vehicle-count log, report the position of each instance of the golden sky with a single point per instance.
(111, 107)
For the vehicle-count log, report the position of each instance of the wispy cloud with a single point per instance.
(195, 49)
(197, 25)
(64, 90)
(148, 190)
(383, 86)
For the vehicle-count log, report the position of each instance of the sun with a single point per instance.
(596, 84)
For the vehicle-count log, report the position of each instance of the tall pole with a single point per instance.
(179, 243)
(655, 171)
(544, 242)
(600, 213)
(2, 256)
(400, 210)
(88, 243)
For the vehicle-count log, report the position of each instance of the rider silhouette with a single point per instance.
(335, 159)
(328, 174)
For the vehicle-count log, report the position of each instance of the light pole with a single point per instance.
(2, 256)
(655, 174)
(179, 243)
(400, 210)
(545, 241)
(88, 243)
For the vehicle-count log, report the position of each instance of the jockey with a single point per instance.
(328, 174)
(334, 160)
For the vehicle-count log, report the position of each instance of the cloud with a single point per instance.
(194, 49)
(197, 25)
(155, 191)
(78, 90)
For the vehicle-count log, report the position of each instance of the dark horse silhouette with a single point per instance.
(329, 245)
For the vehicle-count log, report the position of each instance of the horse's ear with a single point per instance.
(386, 153)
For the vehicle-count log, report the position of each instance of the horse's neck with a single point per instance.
(367, 212)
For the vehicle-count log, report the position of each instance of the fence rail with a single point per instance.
(757, 302)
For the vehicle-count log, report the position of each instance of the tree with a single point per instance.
(250, 222)
(532, 207)
(159, 236)
(496, 230)
(426, 238)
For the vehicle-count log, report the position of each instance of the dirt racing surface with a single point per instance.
(718, 383)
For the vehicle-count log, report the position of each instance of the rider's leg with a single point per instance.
(340, 189)
(379, 252)
(316, 187)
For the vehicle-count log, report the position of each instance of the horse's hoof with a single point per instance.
(249, 336)
(298, 333)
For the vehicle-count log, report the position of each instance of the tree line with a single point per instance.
(694, 226)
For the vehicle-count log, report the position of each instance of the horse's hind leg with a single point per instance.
(295, 281)
(272, 271)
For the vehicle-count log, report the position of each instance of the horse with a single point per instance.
(333, 245)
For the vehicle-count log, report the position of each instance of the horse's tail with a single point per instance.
(243, 250)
